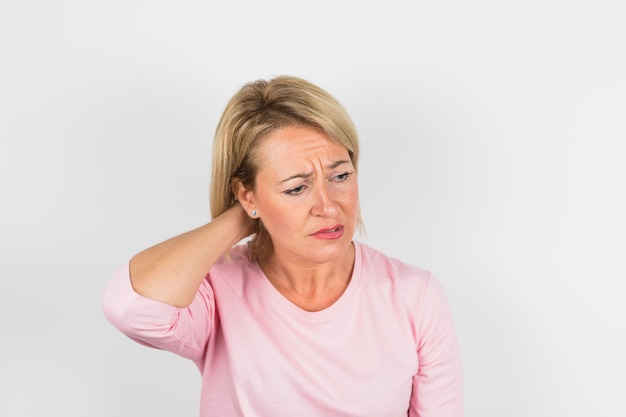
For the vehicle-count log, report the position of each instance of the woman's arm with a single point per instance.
(171, 271)
(438, 385)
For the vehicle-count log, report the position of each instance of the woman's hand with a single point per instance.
(244, 223)
(171, 271)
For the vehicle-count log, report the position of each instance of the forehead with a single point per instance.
(297, 147)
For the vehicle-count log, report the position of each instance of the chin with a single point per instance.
(329, 251)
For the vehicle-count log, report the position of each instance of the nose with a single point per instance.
(324, 203)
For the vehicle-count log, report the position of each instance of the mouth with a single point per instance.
(331, 233)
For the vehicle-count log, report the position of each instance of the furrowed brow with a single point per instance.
(306, 175)
(303, 175)
(338, 164)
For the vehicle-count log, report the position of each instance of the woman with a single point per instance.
(281, 310)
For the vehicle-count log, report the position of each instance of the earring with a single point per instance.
(253, 213)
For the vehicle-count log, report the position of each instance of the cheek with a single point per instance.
(350, 198)
(279, 219)
(352, 206)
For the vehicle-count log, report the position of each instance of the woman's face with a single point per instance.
(306, 195)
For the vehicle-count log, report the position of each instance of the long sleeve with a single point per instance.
(438, 385)
(184, 331)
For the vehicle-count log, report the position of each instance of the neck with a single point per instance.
(311, 287)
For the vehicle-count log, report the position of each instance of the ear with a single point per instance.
(244, 195)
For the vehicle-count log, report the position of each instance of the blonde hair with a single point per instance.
(261, 107)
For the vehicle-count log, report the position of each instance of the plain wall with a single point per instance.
(492, 154)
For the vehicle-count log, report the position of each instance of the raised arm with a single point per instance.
(171, 271)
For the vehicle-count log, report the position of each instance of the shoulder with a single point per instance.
(234, 269)
(239, 256)
(406, 283)
(374, 261)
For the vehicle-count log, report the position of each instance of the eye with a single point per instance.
(341, 177)
(295, 190)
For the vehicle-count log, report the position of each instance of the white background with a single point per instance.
(492, 154)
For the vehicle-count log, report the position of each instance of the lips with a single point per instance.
(331, 233)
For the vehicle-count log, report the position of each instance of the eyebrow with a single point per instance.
(308, 174)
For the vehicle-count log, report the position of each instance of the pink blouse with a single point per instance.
(387, 347)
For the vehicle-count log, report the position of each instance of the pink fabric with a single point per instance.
(387, 347)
